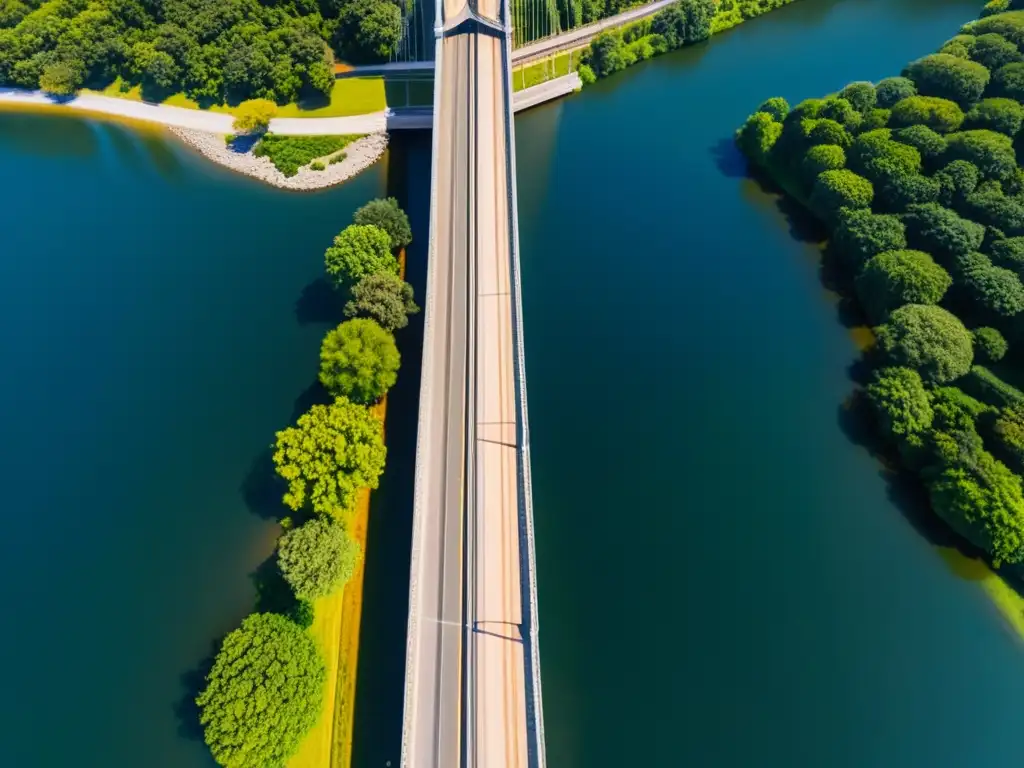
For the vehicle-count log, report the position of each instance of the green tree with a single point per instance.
(994, 209)
(1009, 253)
(383, 297)
(329, 455)
(827, 131)
(993, 51)
(263, 694)
(989, 344)
(821, 158)
(927, 142)
(386, 214)
(938, 114)
(940, 232)
(359, 360)
(957, 180)
(302, 613)
(901, 400)
(777, 107)
(60, 79)
(984, 504)
(1008, 431)
(997, 289)
(368, 31)
(359, 250)
(608, 54)
(1008, 81)
(840, 189)
(860, 234)
(318, 558)
(841, 111)
(894, 89)
(875, 118)
(990, 152)
(899, 191)
(758, 135)
(929, 339)
(894, 278)
(254, 116)
(875, 156)
(948, 77)
(860, 95)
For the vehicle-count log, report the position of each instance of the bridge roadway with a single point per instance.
(472, 672)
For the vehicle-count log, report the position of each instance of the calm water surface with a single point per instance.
(726, 579)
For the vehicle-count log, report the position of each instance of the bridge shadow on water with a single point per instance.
(380, 686)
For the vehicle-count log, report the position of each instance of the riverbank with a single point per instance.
(924, 211)
(359, 155)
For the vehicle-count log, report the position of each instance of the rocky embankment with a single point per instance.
(359, 155)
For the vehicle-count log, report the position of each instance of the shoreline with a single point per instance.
(359, 155)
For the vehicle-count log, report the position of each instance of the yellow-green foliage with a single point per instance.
(332, 452)
(254, 116)
(289, 153)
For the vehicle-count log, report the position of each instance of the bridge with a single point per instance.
(473, 697)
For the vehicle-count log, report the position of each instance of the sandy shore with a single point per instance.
(359, 155)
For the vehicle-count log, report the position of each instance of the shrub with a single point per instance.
(263, 694)
(983, 504)
(894, 278)
(1008, 253)
(989, 344)
(1009, 25)
(302, 613)
(1002, 115)
(995, 210)
(929, 339)
(758, 135)
(823, 157)
(826, 131)
(984, 384)
(930, 144)
(61, 79)
(894, 89)
(994, 6)
(901, 400)
(875, 118)
(1008, 81)
(956, 181)
(941, 115)
(289, 153)
(877, 157)
(900, 191)
(777, 107)
(318, 557)
(317, 165)
(997, 289)
(359, 250)
(955, 48)
(840, 189)
(840, 110)
(992, 153)
(993, 51)
(860, 234)
(383, 297)
(386, 214)
(948, 77)
(586, 73)
(254, 116)
(359, 360)
(331, 453)
(860, 95)
(609, 54)
(940, 232)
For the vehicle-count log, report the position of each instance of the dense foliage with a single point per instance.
(263, 693)
(359, 360)
(317, 558)
(385, 214)
(331, 452)
(230, 50)
(289, 153)
(384, 297)
(359, 250)
(926, 211)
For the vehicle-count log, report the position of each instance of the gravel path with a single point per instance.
(359, 155)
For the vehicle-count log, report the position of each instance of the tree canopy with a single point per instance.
(318, 558)
(860, 234)
(949, 77)
(894, 278)
(385, 298)
(386, 214)
(929, 339)
(359, 250)
(332, 452)
(368, 30)
(901, 400)
(263, 694)
(894, 89)
(834, 190)
(359, 360)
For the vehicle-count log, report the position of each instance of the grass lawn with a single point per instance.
(350, 96)
(542, 71)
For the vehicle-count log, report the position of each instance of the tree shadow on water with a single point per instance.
(320, 303)
(192, 682)
(263, 489)
(273, 595)
(729, 160)
(314, 394)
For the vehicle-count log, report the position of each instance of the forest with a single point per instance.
(917, 178)
(215, 51)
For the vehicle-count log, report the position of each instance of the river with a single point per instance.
(726, 577)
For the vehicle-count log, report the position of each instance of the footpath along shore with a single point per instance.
(205, 132)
